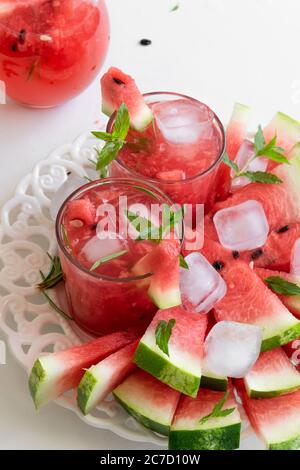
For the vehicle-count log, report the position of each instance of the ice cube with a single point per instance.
(231, 348)
(201, 285)
(97, 248)
(183, 122)
(72, 183)
(295, 260)
(242, 227)
(244, 155)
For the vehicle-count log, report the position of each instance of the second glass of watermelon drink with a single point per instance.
(51, 50)
(179, 151)
(107, 297)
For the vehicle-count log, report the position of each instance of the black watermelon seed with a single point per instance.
(283, 229)
(118, 81)
(235, 254)
(22, 36)
(145, 42)
(14, 47)
(218, 265)
(257, 254)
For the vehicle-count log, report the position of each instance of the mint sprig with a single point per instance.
(182, 263)
(107, 258)
(217, 411)
(262, 149)
(163, 333)
(54, 276)
(282, 286)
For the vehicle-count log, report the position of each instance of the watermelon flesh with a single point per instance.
(100, 380)
(180, 370)
(276, 420)
(215, 434)
(118, 88)
(249, 300)
(292, 302)
(272, 375)
(150, 401)
(236, 133)
(287, 131)
(61, 371)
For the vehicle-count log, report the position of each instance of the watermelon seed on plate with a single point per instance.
(145, 42)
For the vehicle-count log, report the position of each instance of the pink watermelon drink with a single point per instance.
(99, 255)
(51, 50)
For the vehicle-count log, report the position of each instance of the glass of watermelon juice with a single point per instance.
(91, 226)
(179, 152)
(51, 50)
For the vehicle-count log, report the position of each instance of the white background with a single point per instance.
(219, 51)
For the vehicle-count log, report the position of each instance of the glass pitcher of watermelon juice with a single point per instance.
(51, 50)
(98, 250)
(179, 152)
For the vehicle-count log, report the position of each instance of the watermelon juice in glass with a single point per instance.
(91, 226)
(50, 50)
(179, 151)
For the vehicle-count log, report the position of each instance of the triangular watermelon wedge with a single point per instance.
(272, 375)
(249, 300)
(56, 373)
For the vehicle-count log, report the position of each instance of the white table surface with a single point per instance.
(215, 50)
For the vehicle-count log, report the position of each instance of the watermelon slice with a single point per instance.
(281, 202)
(221, 433)
(276, 420)
(151, 402)
(235, 135)
(213, 381)
(56, 373)
(118, 88)
(287, 131)
(272, 375)
(163, 262)
(180, 370)
(249, 300)
(292, 302)
(100, 380)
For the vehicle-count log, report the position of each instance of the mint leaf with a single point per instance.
(230, 163)
(281, 286)
(144, 226)
(183, 264)
(273, 155)
(107, 258)
(107, 154)
(175, 7)
(122, 123)
(217, 411)
(163, 333)
(261, 177)
(268, 150)
(259, 140)
(103, 136)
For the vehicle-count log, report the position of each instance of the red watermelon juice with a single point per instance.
(91, 226)
(180, 151)
(51, 50)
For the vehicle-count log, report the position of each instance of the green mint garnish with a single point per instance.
(262, 149)
(163, 333)
(183, 264)
(107, 258)
(54, 276)
(175, 7)
(115, 141)
(217, 411)
(281, 286)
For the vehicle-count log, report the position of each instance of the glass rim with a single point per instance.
(156, 181)
(136, 183)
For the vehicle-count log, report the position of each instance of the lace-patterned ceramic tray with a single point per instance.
(31, 326)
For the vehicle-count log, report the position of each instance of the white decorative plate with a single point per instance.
(31, 326)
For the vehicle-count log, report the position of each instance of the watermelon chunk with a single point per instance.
(215, 434)
(276, 420)
(292, 302)
(163, 262)
(151, 402)
(235, 135)
(180, 370)
(249, 300)
(272, 375)
(100, 380)
(56, 373)
(118, 88)
(287, 131)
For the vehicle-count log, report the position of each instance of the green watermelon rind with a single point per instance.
(36, 383)
(291, 444)
(221, 438)
(213, 382)
(139, 122)
(155, 426)
(285, 123)
(270, 394)
(85, 391)
(281, 338)
(241, 113)
(165, 371)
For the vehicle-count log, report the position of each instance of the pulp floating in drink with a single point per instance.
(51, 50)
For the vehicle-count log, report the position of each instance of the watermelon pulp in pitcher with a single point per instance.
(51, 50)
